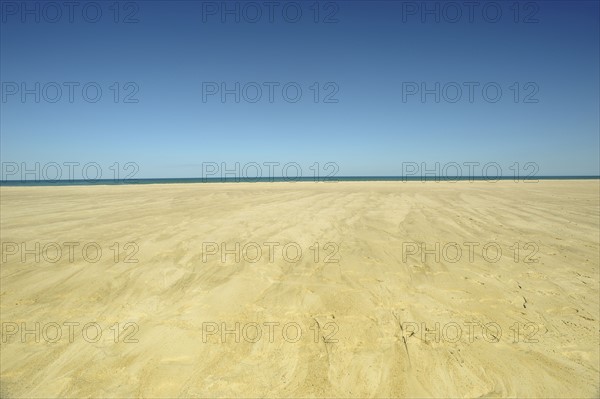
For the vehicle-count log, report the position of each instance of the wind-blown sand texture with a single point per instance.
(368, 301)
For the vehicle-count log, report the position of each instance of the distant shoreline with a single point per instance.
(112, 182)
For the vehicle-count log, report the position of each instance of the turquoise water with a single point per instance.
(278, 179)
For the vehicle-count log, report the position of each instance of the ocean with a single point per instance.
(92, 182)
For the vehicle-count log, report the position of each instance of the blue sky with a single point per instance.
(363, 61)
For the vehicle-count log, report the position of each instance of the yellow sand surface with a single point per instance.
(348, 289)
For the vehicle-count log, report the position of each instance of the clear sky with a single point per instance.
(370, 60)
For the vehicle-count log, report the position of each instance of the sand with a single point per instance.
(364, 326)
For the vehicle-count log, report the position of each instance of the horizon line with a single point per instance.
(286, 179)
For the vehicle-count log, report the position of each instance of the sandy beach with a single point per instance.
(348, 289)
